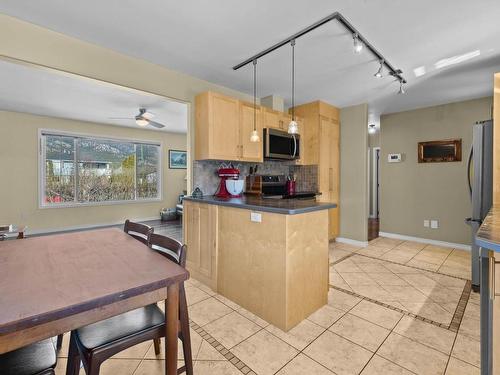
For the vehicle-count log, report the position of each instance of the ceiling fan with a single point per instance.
(143, 118)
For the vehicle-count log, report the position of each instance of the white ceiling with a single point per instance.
(47, 92)
(206, 38)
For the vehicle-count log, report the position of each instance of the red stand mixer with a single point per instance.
(227, 174)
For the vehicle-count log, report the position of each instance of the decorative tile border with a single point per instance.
(457, 316)
(235, 361)
(459, 312)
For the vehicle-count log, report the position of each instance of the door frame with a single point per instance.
(375, 180)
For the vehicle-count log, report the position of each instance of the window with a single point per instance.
(89, 170)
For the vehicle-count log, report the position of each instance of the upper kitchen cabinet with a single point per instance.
(250, 151)
(217, 127)
(320, 146)
(223, 128)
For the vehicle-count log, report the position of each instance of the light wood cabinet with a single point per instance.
(320, 136)
(223, 129)
(250, 151)
(200, 223)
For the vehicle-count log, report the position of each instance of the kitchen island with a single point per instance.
(269, 256)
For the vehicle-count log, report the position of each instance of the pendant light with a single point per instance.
(371, 129)
(401, 88)
(254, 137)
(293, 127)
(357, 44)
(379, 71)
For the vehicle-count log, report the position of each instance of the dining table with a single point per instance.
(53, 284)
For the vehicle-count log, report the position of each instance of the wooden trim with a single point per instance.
(455, 143)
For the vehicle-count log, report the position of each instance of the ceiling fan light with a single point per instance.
(293, 127)
(141, 121)
(254, 137)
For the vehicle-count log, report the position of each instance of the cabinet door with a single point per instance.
(284, 120)
(271, 118)
(333, 223)
(250, 151)
(224, 132)
(200, 236)
(324, 167)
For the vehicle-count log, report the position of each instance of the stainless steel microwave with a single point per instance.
(281, 145)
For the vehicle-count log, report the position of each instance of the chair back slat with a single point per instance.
(140, 232)
(168, 247)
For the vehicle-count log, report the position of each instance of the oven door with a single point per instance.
(281, 145)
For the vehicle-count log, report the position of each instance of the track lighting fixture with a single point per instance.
(358, 44)
(254, 137)
(379, 71)
(371, 129)
(293, 127)
(401, 88)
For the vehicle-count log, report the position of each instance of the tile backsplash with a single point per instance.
(205, 173)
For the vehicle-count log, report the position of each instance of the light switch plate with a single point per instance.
(434, 224)
(426, 223)
(255, 217)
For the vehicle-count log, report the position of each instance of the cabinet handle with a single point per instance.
(241, 155)
(330, 179)
(493, 291)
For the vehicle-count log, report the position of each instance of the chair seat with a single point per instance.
(120, 326)
(29, 360)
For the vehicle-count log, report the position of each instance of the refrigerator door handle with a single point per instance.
(469, 166)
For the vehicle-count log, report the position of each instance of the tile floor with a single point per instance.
(400, 326)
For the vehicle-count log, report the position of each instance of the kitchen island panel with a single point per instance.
(307, 268)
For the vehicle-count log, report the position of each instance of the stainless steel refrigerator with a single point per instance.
(480, 178)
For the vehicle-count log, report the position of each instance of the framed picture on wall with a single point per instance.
(440, 151)
(177, 159)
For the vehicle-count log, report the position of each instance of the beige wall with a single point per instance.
(411, 192)
(373, 141)
(353, 172)
(496, 136)
(20, 171)
(28, 42)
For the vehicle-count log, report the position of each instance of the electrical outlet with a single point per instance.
(426, 223)
(434, 224)
(255, 217)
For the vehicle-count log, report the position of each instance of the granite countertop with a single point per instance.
(488, 235)
(279, 206)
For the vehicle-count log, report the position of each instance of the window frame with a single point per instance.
(42, 173)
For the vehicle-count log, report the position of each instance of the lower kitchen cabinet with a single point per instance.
(200, 237)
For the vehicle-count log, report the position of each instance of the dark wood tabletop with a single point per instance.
(43, 279)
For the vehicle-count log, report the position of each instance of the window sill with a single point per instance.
(97, 204)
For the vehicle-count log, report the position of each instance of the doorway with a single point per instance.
(373, 220)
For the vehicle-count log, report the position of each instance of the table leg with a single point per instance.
(172, 327)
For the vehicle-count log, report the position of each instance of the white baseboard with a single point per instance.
(425, 240)
(84, 227)
(348, 241)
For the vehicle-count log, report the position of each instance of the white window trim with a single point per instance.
(41, 169)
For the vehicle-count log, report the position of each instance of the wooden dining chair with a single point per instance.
(139, 231)
(35, 359)
(97, 342)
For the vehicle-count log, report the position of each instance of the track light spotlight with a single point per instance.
(401, 88)
(379, 71)
(358, 44)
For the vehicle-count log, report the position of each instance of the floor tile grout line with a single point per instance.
(451, 352)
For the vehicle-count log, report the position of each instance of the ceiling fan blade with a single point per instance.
(156, 124)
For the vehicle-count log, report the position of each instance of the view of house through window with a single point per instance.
(86, 170)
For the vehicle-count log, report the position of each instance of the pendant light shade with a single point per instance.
(254, 136)
(379, 71)
(293, 127)
(401, 88)
(357, 44)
